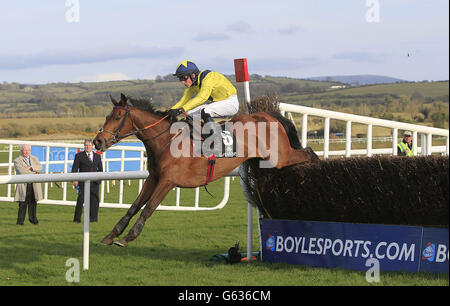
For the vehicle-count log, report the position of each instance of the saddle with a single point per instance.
(213, 139)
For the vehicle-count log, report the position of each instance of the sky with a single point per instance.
(50, 41)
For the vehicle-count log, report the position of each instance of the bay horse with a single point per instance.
(166, 171)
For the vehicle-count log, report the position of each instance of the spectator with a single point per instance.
(404, 148)
(87, 161)
(27, 194)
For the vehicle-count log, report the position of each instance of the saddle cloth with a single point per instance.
(222, 143)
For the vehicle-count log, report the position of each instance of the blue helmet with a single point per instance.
(186, 68)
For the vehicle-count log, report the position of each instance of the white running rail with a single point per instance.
(426, 132)
(14, 145)
(426, 149)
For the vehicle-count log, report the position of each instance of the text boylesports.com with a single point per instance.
(351, 248)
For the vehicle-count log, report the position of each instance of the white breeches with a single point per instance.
(224, 108)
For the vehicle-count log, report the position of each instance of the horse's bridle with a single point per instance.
(116, 138)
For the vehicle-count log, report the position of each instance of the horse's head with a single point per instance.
(117, 124)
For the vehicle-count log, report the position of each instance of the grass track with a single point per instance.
(174, 249)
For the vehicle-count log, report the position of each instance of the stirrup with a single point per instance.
(206, 119)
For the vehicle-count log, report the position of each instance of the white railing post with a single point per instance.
(326, 137)
(447, 146)
(249, 232)
(102, 185)
(197, 195)
(66, 157)
(87, 200)
(429, 143)
(304, 130)
(423, 141)
(394, 141)
(369, 140)
(414, 143)
(177, 199)
(10, 165)
(348, 139)
(141, 167)
(122, 168)
(47, 166)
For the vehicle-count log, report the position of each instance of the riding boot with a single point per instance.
(212, 139)
(212, 125)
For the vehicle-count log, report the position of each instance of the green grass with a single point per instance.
(174, 249)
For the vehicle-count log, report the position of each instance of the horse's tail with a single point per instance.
(290, 129)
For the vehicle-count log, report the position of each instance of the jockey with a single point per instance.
(215, 96)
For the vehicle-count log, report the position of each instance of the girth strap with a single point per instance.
(210, 170)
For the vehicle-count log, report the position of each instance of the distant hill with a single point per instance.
(365, 79)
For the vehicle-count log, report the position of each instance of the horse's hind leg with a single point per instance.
(143, 197)
(158, 195)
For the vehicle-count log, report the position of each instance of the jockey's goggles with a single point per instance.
(183, 77)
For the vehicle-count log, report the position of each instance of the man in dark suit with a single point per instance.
(87, 161)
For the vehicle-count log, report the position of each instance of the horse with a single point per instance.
(166, 171)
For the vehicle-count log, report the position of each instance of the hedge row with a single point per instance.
(379, 190)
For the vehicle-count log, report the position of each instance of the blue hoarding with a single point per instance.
(350, 245)
(434, 255)
(58, 154)
(55, 154)
(128, 165)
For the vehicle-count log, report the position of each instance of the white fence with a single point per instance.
(426, 133)
(14, 145)
(87, 177)
(426, 148)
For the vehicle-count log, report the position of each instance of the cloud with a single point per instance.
(274, 65)
(207, 36)
(103, 77)
(240, 27)
(280, 64)
(360, 56)
(289, 30)
(85, 56)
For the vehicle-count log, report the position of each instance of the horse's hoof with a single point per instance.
(121, 242)
(106, 241)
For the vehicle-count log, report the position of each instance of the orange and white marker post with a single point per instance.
(241, 71)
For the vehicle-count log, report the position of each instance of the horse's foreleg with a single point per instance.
(156, 198)
(144, 195)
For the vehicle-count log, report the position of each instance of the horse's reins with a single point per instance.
(116, 138)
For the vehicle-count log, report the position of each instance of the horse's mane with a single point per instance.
(145, 104)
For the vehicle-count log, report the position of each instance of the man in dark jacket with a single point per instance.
(87, 161)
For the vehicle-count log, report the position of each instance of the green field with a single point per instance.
(174, 249)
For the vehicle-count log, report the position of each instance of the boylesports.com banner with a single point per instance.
(350, 245)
